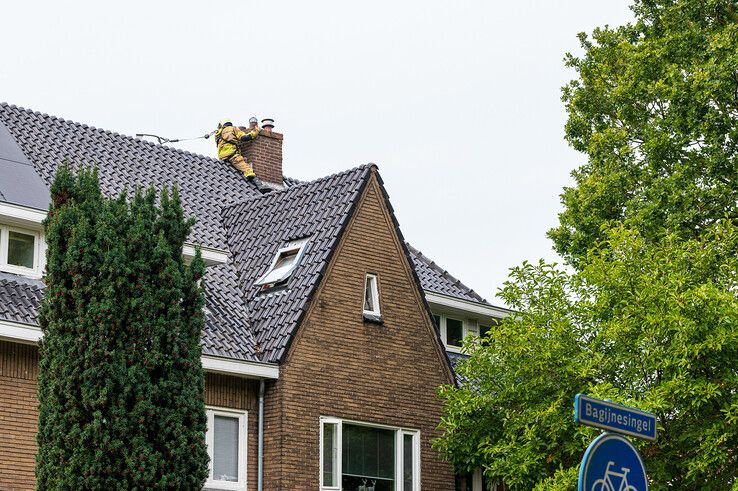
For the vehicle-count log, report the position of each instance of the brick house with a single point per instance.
(326, 333)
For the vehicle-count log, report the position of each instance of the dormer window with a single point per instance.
(20, 251)
(371, 296)
(284, 264)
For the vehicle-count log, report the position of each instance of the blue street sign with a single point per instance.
(612, 463)
(614, 417)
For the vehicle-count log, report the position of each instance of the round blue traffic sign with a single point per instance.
(612, 463)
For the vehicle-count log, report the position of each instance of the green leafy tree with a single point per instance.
(655, 109)
(648, 324)
(121, 382)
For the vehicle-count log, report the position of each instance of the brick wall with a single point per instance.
(238, 393)
(265, 156)
(339, 365)
(18, 415)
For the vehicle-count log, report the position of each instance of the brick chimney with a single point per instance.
(265, 154)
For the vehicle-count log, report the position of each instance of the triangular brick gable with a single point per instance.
(340, 365)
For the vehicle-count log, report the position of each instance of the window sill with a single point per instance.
(223, 486)
(373, 318)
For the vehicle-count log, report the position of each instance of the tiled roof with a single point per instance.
(20, 298)
(434, 278)
(227, 330)
(226, 333)
(241, 321)
(257, 228)
(205, 184)
(455, 358)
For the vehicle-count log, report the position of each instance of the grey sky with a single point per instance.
(457, 102)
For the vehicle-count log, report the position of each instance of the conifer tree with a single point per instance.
(120, 383)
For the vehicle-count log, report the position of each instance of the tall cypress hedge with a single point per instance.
(121, 382)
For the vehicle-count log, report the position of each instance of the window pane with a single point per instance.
(369, 294)
(330, 455)
(287, 258)
(368, 458)
(407, 462)
(225, 453)
(454, 332)
(20, 249)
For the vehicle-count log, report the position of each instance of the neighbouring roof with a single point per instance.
(20, 298)
(241, 322)
(434, 278)
(258, 227)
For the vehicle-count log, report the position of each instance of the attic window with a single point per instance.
(371, 296)
(284, 264)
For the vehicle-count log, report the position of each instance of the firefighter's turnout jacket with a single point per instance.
(227, 138)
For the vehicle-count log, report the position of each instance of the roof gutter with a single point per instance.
(19, 332)
(466, 305)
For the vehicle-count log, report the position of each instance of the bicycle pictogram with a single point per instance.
(606, 483)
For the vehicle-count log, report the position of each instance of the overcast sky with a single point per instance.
(458, 103)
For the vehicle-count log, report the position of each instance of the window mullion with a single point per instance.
(399, 464)
(3, 246)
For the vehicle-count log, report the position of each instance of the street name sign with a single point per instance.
(612, 463)
(609, 416)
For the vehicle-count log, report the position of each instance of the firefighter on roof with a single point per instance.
(227, 138)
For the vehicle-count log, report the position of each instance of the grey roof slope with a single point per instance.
(257, 228)
(226, 334)
(435, 279)
(205, 184)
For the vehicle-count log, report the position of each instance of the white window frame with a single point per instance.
(268, 278)
(242, 416)
(399, 437)
(38, 251)
(375, 294)
(467, 328)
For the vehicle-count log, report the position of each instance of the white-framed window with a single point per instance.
(371, 295)
(377, 457)
(227, 443)
(283, 264)
(21, 251)
(454, 329)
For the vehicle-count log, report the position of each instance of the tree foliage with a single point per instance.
(655, 109)
(650, 325)
(120, 383)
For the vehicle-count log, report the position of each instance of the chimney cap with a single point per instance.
(267, 123)
(253, 119)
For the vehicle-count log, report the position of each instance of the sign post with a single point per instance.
(611, 462)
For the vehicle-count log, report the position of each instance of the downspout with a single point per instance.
(260, 472)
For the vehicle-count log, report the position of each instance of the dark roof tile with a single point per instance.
(258, 227)
(435, 279)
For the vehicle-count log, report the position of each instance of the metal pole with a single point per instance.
(260, 478)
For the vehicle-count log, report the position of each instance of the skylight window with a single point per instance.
(284, 264)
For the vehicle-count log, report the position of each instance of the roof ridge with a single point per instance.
(105, 131)
(444, 272)
(298, 186)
